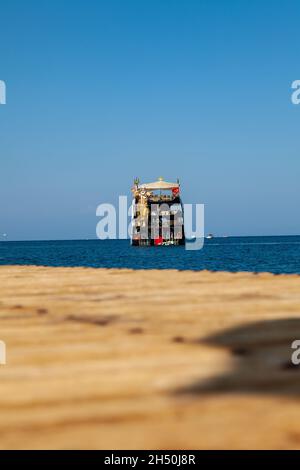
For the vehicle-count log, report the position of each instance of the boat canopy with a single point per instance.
(157, 185)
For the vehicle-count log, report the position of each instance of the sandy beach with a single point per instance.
(121, 359)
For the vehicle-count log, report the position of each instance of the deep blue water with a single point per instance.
(272, 254)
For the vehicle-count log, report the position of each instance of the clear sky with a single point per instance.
(100, 91)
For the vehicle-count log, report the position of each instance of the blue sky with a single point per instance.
(101, 91)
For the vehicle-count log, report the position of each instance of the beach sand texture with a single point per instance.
(121, 359)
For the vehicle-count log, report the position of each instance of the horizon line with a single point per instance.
(128, 239)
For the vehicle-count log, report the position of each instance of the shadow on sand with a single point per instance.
(261, 360)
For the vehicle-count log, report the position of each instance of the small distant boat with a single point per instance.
(210, 236)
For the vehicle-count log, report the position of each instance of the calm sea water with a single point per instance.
(272, 254)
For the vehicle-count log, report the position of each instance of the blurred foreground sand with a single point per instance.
(120, 359)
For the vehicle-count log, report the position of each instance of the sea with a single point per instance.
(274, 254)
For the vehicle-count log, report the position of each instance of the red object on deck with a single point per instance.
(158, 241)
(175, 191)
